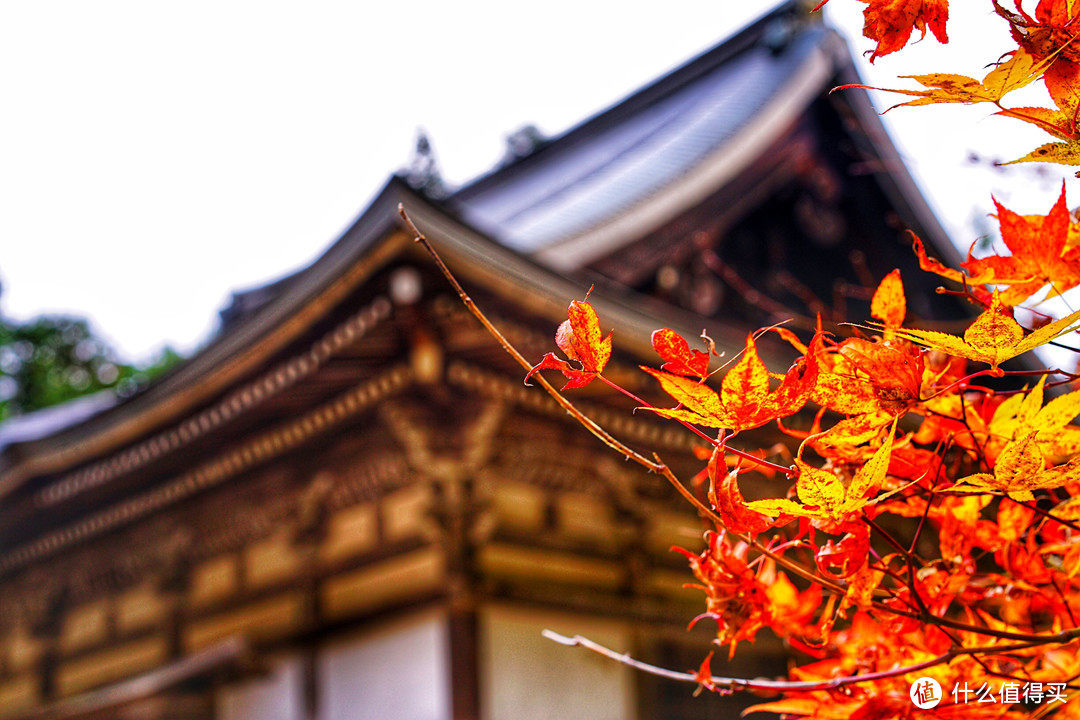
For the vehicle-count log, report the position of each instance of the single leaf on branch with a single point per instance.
(1039, 254)
(891, 22)
(1020, 469)
(933, 265)
(678, 357)
(1024, 413)
(581, 338)
(823, 494)
(1062, 153)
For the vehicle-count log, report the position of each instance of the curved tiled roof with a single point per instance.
(633, 155)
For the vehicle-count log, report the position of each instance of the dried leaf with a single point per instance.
(891, 22)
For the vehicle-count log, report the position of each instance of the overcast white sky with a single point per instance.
(154, 157)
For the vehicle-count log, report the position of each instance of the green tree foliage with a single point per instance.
(53, 359)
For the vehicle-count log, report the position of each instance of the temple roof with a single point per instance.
(706, 116)
(56, 439)
(527, 231)
(661, 151)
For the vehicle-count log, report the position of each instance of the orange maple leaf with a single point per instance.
(735, 598)
(890, 22)
(1040, 255)
(873, 382)
(933, 265)
(746, 399)
(582, 340)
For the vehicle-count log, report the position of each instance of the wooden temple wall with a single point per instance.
(300, 553)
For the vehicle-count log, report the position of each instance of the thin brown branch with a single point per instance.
(590, 425)
(733, 683)
(656, 465)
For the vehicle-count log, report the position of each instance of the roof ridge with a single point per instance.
(724, 51)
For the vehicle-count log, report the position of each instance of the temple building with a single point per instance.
(349, 506)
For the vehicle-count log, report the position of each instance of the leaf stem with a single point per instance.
(786, 471)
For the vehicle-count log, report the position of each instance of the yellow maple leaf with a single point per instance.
(1062, 153)
(1024, 413)
(1020, 468)
(823, 493)
(994, 337)
(1018, 71)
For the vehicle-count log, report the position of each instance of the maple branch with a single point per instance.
(710, 514)
(733, 683)
(789, 472)
(589, 424)
(656, 465)
(1034, 507)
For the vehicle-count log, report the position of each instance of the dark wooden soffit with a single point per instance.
(232, 655)
(372, 242)
(891, 172)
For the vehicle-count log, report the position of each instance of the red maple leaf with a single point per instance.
(678, 356)
(1039, 254)
(582, 340)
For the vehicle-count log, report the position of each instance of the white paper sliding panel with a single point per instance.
(528, 677)
(400, 670)
(276, 696)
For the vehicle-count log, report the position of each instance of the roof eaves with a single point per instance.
(896, 181)
(251, 341)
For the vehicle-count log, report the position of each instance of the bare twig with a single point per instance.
(733, 683)
(565, 404)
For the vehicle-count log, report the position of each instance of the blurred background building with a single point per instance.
(348, 506)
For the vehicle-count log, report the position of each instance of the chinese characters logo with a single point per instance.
(925, 693)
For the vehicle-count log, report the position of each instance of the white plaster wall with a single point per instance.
(277, 696)
(527, 677)
(400, 671)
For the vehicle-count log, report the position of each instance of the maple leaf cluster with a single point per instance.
(931, 527)
(1046, 50)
